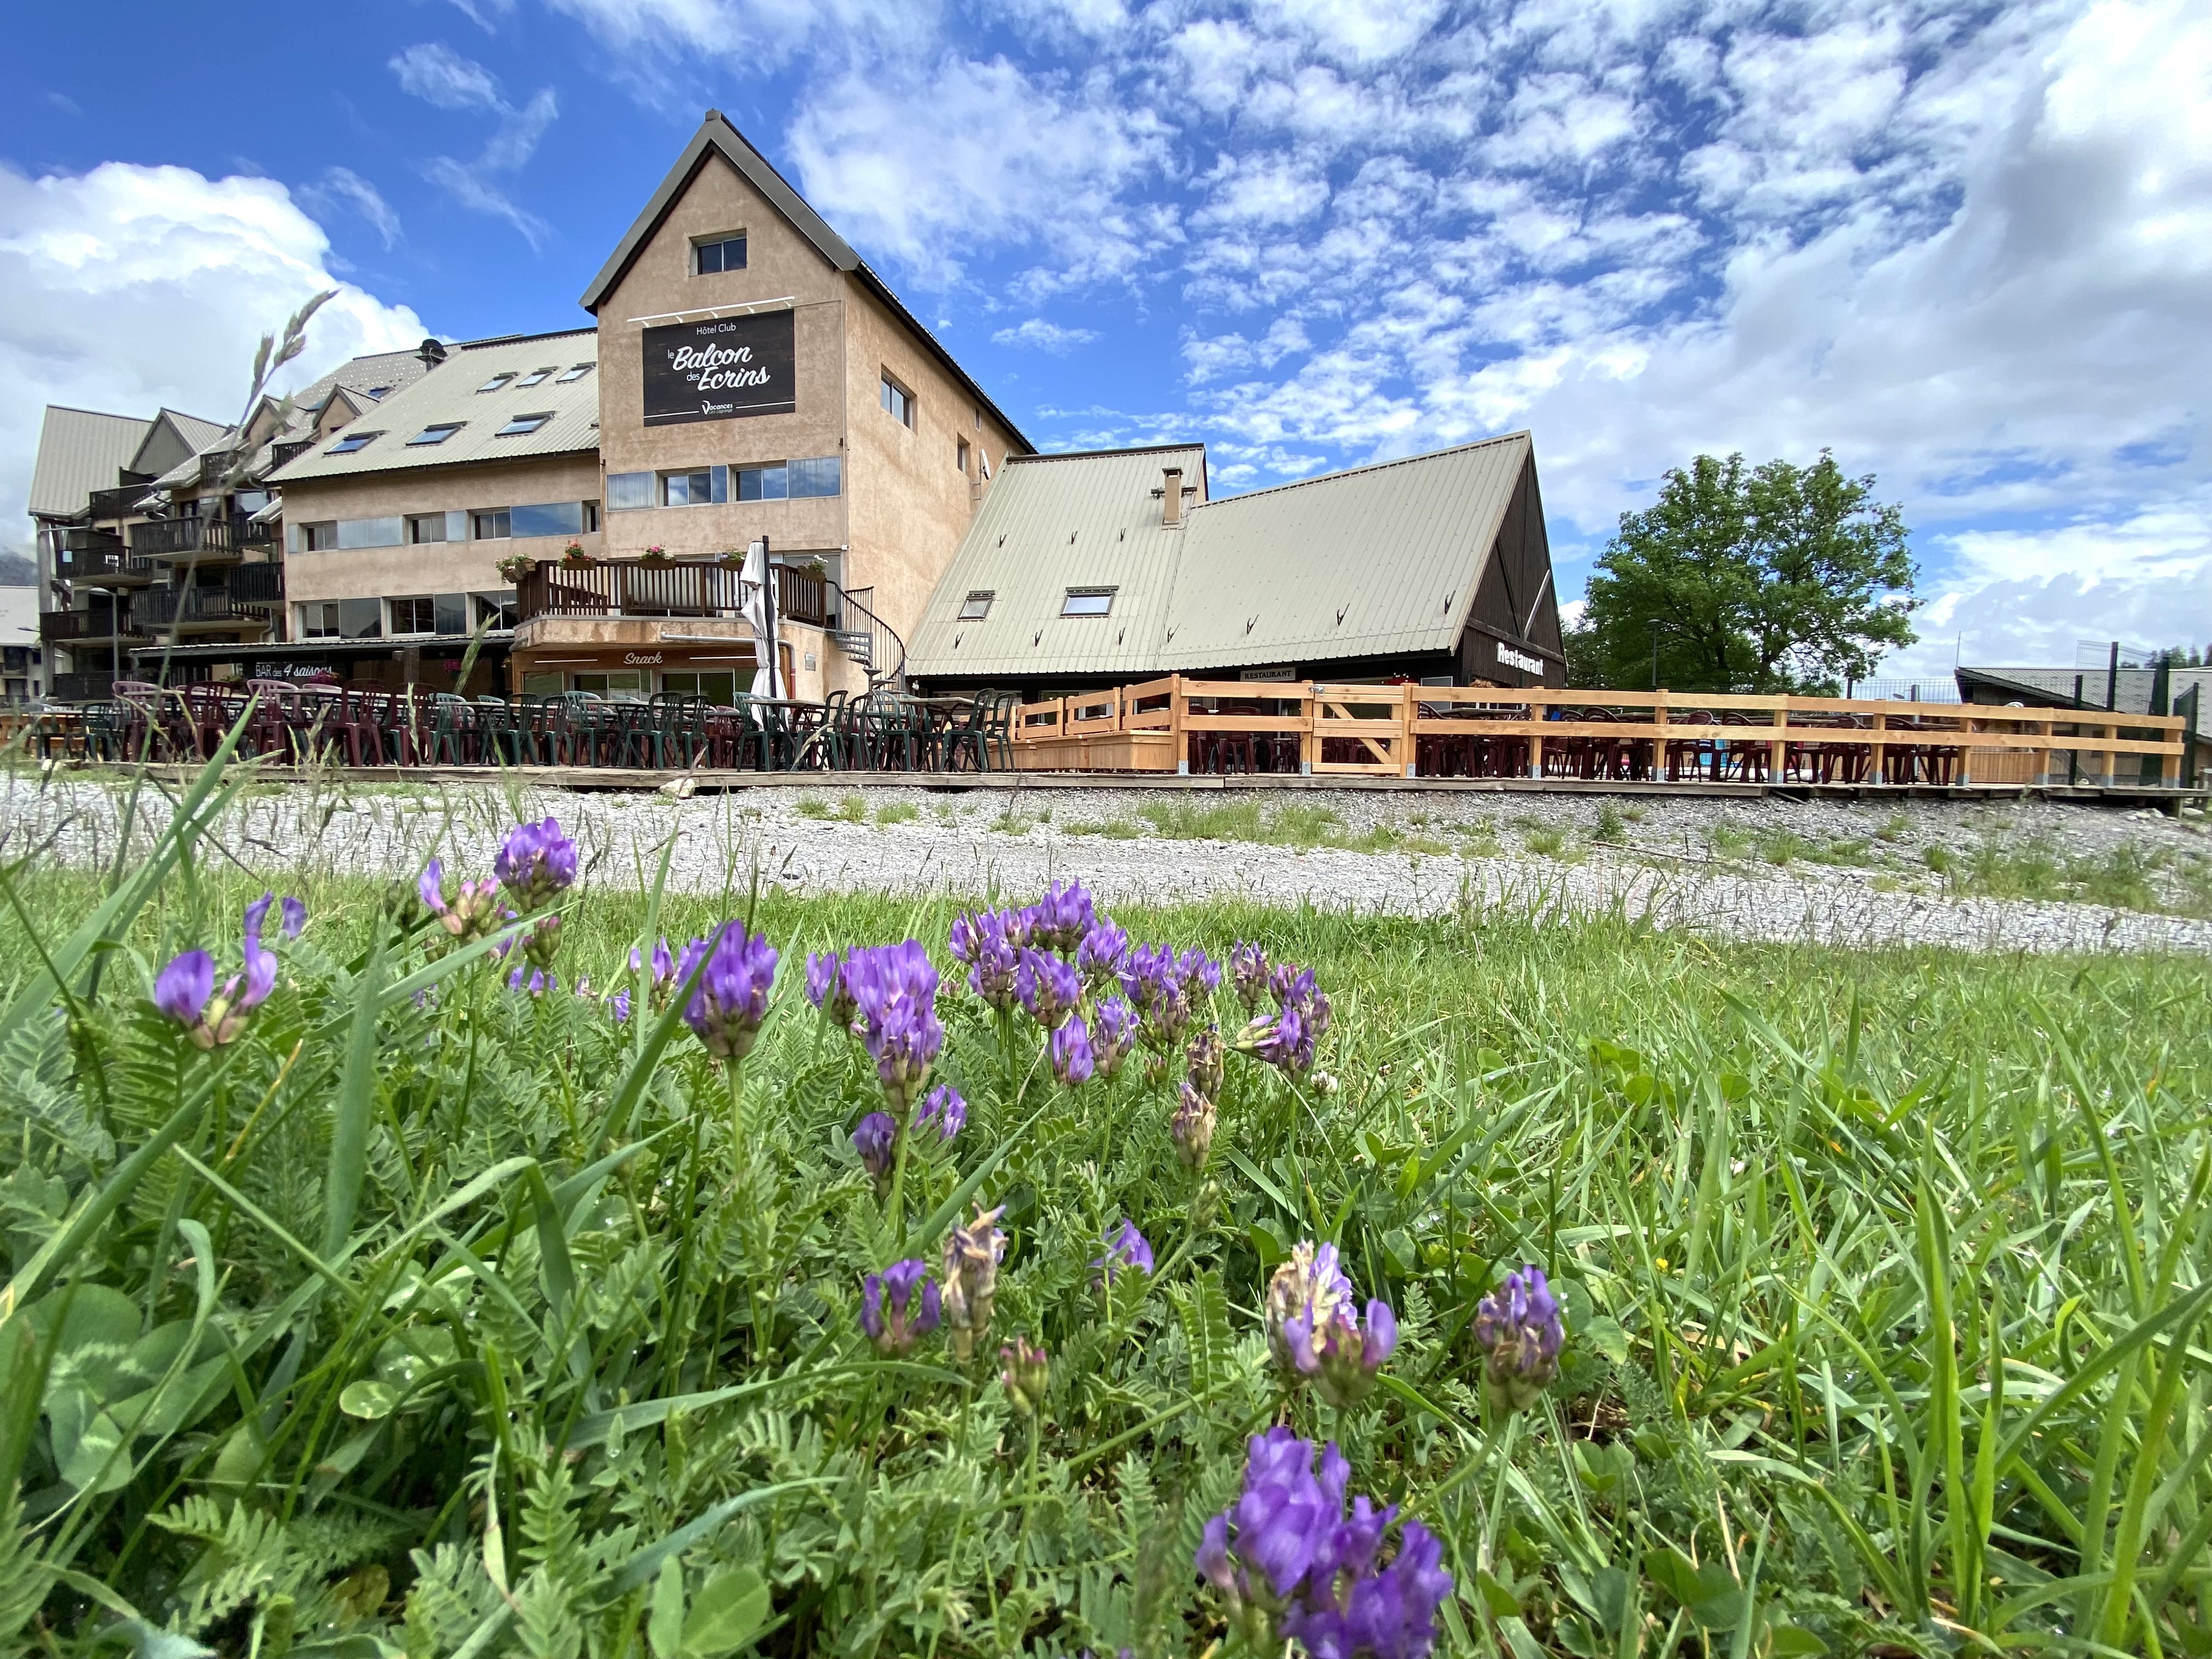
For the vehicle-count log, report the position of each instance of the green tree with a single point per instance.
(1777, 578)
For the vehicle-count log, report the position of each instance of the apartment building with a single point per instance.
(576, 505)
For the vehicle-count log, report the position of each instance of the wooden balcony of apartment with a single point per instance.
(98, 558)
(195, 611)
(106, 505)
(215, 539)
(664, 587)
(85, 628)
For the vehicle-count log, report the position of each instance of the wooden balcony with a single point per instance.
(193, 610)
(107, 505)
(98, 558)
(83, 627)
(650, 587)
(206, 541)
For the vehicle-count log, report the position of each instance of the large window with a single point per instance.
(687, 489)
(449, 612)
(548, 519)
(493, 524)
(497, 609)
(628, 489)
(724, 252)
(781, 480)
(317, 538)
(898, 402)
(413, 615)
(360, 619)
(319, 621)
(719, 689)
(372, 533)
(426, 527)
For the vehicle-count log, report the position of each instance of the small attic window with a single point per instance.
(352, 441)
(496, 382)
(436, 433)
(977, 606)
(537, 376)
(718, 253)
(379, 391)
(522, 424)
(1087, 602)
(576, 373)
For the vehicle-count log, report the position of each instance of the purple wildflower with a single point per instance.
(1337, 1356)
(730, 999)
(535, 862)
(1300, 1565)
(295, 916)
(182, 988)
(663, 968)
(987, 943)
(972, 1254)
(899, 1306)
(894, 992)
(1113, 1036)
(1520, 1331)
(1069, 1052)
(876, 1139)
(1165, 986)
(1287, 1042)
(1126, 1248)
(540, 980)
(826, 989)
(1308, 1290)
(185, 988)
(1248, 971)
(618, 1006)
(943, 1110)
(474, 910)
(1103, 954)
(1206, 1058)
(1047, 986)
(1059, 921)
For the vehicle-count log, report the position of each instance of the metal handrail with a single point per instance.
(883, 641)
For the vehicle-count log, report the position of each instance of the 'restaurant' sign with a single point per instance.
(1519, 659)
(721, 370)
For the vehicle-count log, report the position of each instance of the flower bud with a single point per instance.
(1025, 1368)
(972, 1254)
(1192, 1128)
(1520, 1331)
(1205, 1055)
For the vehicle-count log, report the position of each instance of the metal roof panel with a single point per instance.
(81, 450)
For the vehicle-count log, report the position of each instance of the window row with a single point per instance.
(484, 524)
(1075, 602)
(703, 486)
(452, 615)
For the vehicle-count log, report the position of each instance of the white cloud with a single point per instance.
(924, 166)
(343, 186)
(439, 75)
(129, 287)
(1043, 336)
(444, 78)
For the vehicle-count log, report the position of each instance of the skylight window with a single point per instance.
(437, 434)
(576, 373)
(976, 607)
(522, 424)
(535, 377)
(352, 442)
(1087, 602)
(496, 382)
(378, 391)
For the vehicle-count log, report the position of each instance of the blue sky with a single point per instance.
(1967, 246)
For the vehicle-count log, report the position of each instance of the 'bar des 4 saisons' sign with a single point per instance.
(719, 370)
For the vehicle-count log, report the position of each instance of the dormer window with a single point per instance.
(496, 382)
(718, 253)
(536, 376)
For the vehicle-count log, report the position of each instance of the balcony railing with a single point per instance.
(257, 584)
(96, 564)
(88, 686)
(68, 627)
(290, 450)
(640, 587)
(120, 503)
(159, 607)
(214, 536)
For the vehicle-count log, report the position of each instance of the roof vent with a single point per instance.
(1171, 496)
(432, 352)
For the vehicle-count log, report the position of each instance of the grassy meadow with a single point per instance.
(431, 1318)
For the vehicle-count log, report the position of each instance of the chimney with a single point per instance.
(1171, 496)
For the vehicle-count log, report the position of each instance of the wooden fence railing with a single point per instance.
(1179, 724)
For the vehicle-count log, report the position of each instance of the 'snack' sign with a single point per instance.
(721, 370)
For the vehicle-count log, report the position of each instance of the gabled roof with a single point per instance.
(381, 372)
(1377, 561)
(717, 135)
(81, 450)
(1049, 523)
(1381, 560)
(171, 436)
(2053, 688)
(452, 394)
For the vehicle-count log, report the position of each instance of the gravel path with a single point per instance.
(1840, 872)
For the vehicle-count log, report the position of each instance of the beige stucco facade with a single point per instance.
(904, 500)
(465, 567)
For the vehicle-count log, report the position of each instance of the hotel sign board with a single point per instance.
(721, 370)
